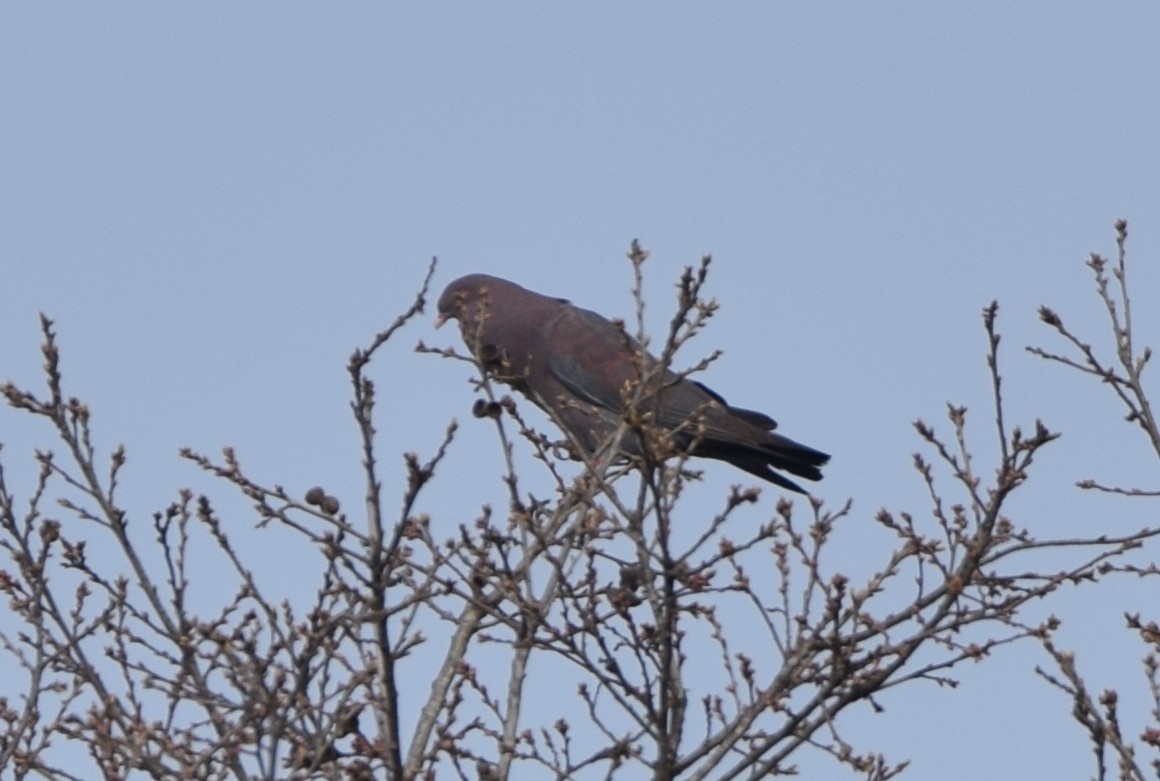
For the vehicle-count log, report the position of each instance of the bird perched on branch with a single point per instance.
(587, 374)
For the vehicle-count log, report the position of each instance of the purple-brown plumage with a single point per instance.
(580, 368)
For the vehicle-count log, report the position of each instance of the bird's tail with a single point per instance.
(773, 452)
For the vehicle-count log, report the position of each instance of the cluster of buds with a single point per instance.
(322, 500)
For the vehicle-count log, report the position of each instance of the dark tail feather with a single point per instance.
(777, 452)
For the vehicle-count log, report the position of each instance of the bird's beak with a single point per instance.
(440, 319)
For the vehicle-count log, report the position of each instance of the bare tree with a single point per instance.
(1122, 373)
(672, 646)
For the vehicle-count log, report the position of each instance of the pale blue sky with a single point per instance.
(218, 202)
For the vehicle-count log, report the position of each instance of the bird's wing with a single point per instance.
(593, 359)
(589, 356)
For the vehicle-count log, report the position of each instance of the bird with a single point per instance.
(582, 369)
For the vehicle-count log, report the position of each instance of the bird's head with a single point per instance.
(467, 300)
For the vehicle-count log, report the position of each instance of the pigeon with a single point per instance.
(587, 373)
